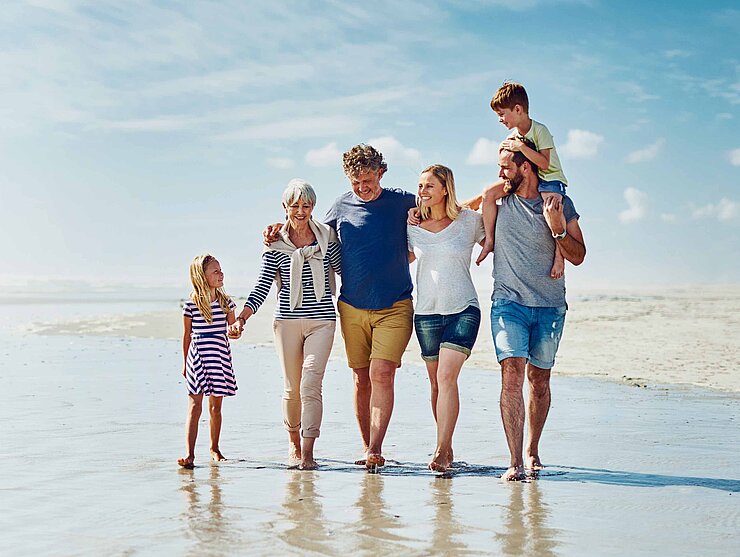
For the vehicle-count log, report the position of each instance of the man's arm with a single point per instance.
(572, 246)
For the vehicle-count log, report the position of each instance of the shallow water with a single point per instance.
(92, 426)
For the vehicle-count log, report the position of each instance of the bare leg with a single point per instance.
(363, 389)
(558, 264)
(307, 460)
(195, 406)
(214, 407)
(448, 406)
(382, 377)
(432, 372)
(537, 410)
(489, 210)
(512, 414)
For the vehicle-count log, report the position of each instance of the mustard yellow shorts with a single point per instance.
(376, 333)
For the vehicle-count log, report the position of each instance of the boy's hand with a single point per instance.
(414, 218)
(553, 213)
(271, 233)
(512, 144)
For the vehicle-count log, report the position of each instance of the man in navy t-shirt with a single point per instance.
(375, 308)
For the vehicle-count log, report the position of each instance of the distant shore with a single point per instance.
(675, 336)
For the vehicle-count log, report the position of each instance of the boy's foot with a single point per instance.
(374, 460)
(514, 474)
(186, 463)
(558, 268)
(216, 456)
(485, 250)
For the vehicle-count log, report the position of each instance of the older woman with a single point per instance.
(447, 310)
(302, 262)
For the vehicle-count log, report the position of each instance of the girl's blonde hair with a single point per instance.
(201, 294)
(447, 179)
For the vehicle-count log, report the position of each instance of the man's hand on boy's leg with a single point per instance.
(551, 195)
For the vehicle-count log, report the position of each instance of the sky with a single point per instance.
(135, 135)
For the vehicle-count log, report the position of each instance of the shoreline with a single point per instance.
(680, 337)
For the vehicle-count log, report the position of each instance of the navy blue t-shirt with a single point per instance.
(375, 268)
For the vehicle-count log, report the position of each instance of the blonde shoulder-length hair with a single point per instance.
(447, 179)
(201, 294)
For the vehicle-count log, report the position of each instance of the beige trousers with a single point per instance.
(303, 346)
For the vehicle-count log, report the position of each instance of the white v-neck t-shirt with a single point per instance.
(443, 283)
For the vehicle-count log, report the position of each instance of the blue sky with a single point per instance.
(135, 135)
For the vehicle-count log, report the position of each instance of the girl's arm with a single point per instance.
(335, 257)
(188, 328)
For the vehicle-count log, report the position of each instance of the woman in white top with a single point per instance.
(447, 313)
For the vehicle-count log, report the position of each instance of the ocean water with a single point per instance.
(92, 427)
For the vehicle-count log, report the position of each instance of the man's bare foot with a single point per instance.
(514, 474)
(558, 267)
(308, 464)
(451, 456)
(360, 462)
(216, 456)
(374, 460)
(441, 463)
(534, 463)
(487, 248)
(186, 463)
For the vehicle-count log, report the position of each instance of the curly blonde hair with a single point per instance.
(362, 157)
(201, 294)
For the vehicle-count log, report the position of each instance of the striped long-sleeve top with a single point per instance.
(274, 262)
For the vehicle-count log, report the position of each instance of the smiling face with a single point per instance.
(510, 117)
(431, 191)
(214, 275)
(509, 171)
(299, 213)
(366, 184)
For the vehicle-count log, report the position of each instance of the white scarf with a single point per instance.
(314, 254)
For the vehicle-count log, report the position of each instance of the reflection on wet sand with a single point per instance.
(206, 524)
(525, 530)
(307, 526)
(376, 526)
(447, 534)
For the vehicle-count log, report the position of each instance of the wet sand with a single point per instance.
(94, 424)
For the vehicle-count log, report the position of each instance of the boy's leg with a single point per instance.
(489, 211)
(214, 407)
(547, 190)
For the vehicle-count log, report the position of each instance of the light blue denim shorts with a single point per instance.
(526, 332)
(551, 186)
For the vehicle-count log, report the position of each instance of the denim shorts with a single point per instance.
(456, 332)
(526, 332)
(551, 186)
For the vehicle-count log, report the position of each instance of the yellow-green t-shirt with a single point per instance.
(542, 139)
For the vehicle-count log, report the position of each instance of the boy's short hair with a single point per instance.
(509, 95)
(362, 157)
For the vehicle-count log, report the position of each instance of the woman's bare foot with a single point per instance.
(374, 460)
(534, 463)
(186, 463)
(216, 456)
(294, 448)
(514, 474)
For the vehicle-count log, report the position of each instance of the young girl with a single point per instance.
(206, 351)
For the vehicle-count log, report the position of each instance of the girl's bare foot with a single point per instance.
(186, 463)
(216, 456)
(514, 474)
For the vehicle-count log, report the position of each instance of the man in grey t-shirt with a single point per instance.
(528, 310)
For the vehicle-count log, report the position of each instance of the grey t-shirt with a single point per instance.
(443, 283)
(524, 252)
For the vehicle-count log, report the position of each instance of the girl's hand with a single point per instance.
(235, 330)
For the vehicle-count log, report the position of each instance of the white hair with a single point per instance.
(298, 190)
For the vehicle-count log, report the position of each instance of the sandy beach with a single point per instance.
(92, 431)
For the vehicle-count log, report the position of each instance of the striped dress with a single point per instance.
(274, 262)
(208, 368)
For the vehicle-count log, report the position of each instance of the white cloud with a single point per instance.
(725, 210)
(668, 217)
(735, 157)
(394, 152)
(582, 144)
(328, 155)
(676, 53)
(724, 116)
(293, 128)
(485, 151)
(280, 162)
(646, 153)
(637, 92)
(637, 202)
